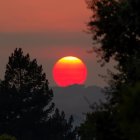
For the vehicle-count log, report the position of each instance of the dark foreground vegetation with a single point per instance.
(115, 26)
(26, 108)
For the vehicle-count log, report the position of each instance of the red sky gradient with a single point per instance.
(42, 15)
(48, 30)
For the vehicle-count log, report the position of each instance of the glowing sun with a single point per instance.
(69, 70)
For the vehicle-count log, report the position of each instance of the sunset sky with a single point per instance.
(48, 30)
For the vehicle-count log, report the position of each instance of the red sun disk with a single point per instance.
(70, 72)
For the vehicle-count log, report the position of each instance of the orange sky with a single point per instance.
(48, 30)
(42, 15)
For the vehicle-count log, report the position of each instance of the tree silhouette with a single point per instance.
(100, 124)
(116, 30)
(129, 111)
(25, 98)
(60, 128)
(115, 26)
(118, 34)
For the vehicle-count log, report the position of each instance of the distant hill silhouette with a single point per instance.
(76, 99)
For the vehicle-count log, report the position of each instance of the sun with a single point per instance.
(69, 70)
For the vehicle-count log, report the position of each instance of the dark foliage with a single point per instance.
(129, 113)
(25, 98)
(100, 124)
(26, 108)
(115, 26)
(7, 137)
(63, 129)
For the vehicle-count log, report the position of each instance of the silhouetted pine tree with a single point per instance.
(25, 98)
(60, 128)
